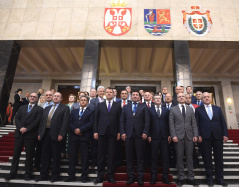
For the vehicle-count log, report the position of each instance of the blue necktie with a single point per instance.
(81, 113)
(198, 102)
(134, 109)
(209, 112)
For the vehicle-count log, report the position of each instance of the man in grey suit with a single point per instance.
(99, 99)
(184, 132)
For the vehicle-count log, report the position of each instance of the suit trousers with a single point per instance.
(29, 148)
(50, 149)
(180, 146)
(207, 146)
(135, 144)
(106, 146)
(162, 145)
(73, 161)
(38, 154)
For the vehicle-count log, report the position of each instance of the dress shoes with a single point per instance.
(166, 181)
(84, 180)
(9, 177)
(180, 182)
(140, 182)
(27, 177)
(111, 180)
(41, 178)
(54, 179)
(98, 180)
(70, 179)
(192, 182)
(130, 181)
(153, 180)
(221, 182)
(210, 182)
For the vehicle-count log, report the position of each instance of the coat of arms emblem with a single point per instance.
(196, 22)
(157, 21)
(117, 20)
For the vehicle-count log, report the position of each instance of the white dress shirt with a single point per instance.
(111, 102)
(210, 108)
(180, 107)
(122, 102)
(160, 109)
(81, 110)
(148, 102)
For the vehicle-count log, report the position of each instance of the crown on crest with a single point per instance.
(118, 3)
(195, 7)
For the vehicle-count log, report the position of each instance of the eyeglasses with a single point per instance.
(33, 96)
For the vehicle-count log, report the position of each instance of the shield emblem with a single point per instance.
(117, 21)
(196, 22)
(157, 21)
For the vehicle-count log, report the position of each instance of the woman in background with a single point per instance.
(8, 114)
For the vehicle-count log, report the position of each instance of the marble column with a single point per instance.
(182, 66)
(90, 65)
(228, 100)
(46, 84)
(9, 53)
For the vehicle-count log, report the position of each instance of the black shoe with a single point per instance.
(130, 181)
(210, 182)
(166, 181)
(9, 177)
(84, 180)
(180, 182)
(192, 182)
(140, 182)
(221, 182)
(27, 177)
(111, 180)
(54, 179)
(153, 180)
(98, 180)
(41, 178)
(70, 179)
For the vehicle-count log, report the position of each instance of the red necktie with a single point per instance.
(123, 102)
(148, 104)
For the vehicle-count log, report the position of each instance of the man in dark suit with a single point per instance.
(159, 138)
(52, 129)
(148, 99)
(27, 121)
(25, 100)
(198, 100)
(164, 92)
(212, 133)
(184, 132)
(81, 123)
(134, 129)
(99, 99)
(178, 90)
(189, 91)
(106, 131)
(124, 100)
(93, 103)
(115, 96)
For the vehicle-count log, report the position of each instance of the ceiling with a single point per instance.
(128, 59)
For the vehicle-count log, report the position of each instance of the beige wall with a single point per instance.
(83, 19)
(235, 90)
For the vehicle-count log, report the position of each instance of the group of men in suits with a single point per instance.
(107, 122)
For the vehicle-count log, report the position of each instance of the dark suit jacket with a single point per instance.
(59, 121)
(30, 121)
(85, 124)
(193, 99)
(217, 125)
(25, 101)
(175, 101)
(140, 122)
(195, 102)
(103, 118)
(93, 103)
(159, 125)
(17, 101)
